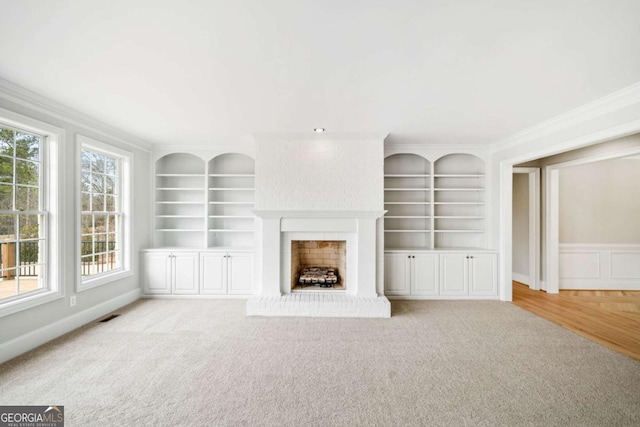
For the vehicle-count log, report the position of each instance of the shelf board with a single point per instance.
(179, 216)
(179, 189)
(459, 189)
(406, 176)
(458, 175)
(407, 216)
(232, 175)
(457, 217)
(179, 203)
(459, 203)
(226, 230)
(407, 203)
(231, 189)
(232, 203)
(408, 189)
(408, 231)
(192, 175)
(232, 216)
(192, 230)
(459, 231)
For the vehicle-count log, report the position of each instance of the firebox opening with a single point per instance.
(318, 265)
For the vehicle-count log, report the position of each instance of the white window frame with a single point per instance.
(52, 168)
(126, 184)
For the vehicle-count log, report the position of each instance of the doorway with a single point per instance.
(526, 226)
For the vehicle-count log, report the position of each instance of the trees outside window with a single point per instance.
(22, 216)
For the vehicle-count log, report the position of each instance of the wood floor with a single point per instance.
(611, 318)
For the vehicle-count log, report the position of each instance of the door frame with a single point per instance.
(533, 175)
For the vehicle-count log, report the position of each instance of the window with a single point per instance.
(103, 212)
(23, 220)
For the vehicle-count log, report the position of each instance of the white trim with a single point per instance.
(522, 279)
(607, 104)
(40, 336)
(553, 210)
(126, 186)
(52, 169)
(534, 227)
(26, 98)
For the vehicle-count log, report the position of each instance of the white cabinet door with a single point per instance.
(157, 272)
(424, 274)
(185, 273)
(397, 276)
(213, 280)
(240, 273)
(483, 270)
(454, 276)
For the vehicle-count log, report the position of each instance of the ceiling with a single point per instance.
(437, 71)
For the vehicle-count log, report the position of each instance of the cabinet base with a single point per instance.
(319, 305)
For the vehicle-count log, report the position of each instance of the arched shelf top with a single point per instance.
(232, 163)
(459, 164)
(406, 164)
(180, 164)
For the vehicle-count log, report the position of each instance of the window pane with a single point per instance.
(6, 141)
(85, 181)
(27, 172)
(111, 204)
(86, 223)
(27, 146)
(97, 203)
(97, 183)
(30, 278)
(8, 283)
(97, 163)
(86, 266)
(111, 166)
(6, 169)
(113, 223)
(7, 227)
(29, 227)
(6, 197)
(100, 223)
(113, 244)
(29, 252)
(9, 251)
(110, 185)
(86, 202)
(27, 198)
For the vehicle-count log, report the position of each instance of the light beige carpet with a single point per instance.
(441, 363)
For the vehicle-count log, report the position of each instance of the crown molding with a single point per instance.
(26, 98)
(600, 107)
(322, 136)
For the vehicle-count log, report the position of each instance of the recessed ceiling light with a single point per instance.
(319, 130)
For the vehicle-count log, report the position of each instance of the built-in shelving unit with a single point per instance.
(231, 199)
(180, 201)
(202, 204)
(440, 210)
(459, 201)
(408, 200)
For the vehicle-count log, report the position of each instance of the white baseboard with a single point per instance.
(521, 278)
(195, 296)
(33, 339)
(443, 297)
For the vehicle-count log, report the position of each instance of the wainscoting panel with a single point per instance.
(599, 266)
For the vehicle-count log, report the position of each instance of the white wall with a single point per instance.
(600, 202)
(58, 315)
(319, 173)
(521, 224)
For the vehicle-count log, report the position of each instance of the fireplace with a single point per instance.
(318, 265)
(285, 235)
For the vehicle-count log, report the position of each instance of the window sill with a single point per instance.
(103, 279)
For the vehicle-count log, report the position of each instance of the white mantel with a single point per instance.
(358, 228)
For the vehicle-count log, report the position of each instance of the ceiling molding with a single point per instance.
(600, 107)
(19, 95)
